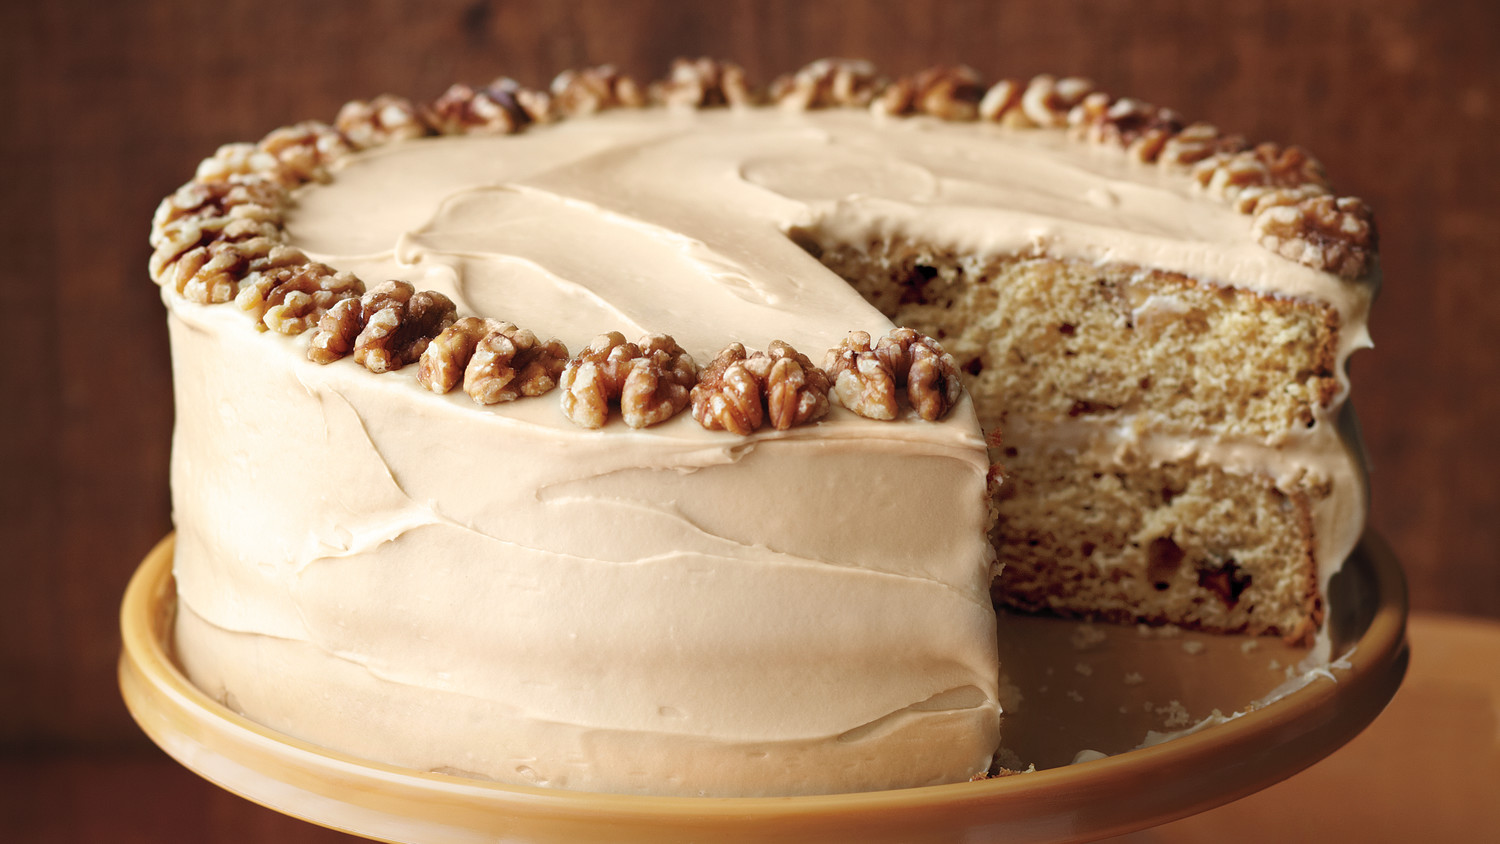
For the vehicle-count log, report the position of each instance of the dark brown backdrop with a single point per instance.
(104, 108)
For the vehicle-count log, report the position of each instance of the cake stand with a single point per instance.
(1081, 688)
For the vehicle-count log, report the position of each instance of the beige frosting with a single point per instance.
(417, 579)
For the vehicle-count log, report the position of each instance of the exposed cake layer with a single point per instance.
(1118, 388)
(1049, 340)
(537, 603)
(1172, 543)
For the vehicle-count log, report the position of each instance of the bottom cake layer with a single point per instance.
(1171, 543)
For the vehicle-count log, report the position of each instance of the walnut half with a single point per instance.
(703, 83)
(739, 391)
(494, 360)
(387, 328)
(865, 379)
(380, 121)
(949, 93)
(1325, 232)
(291, 294)
(593, 89)
(502, 108)
(650, 380)
(827, 83)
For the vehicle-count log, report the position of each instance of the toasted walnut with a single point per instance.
(727, 396)
(659, 382)
(929, 374)
(865, 378)
(1141, 129)
(499, 109)
(1197, 142)
(1225, 175)
(1291, 166)
(594, 89)
(1334, 234)
(650, 380)
(211, 274)
(208, 236)
(796, 391)
(237, 197)
(510, 362)
(495, 361)
(862, 380)
(196, 236)
(1047, 100)
(336, 332)
(739, 390)
(243, 210)
(304, 151)
(536, 105)
(379, 121)
(292, 297)
(827, 83)
(447, 356)
(1002, 104)
(951, 93)
(595, 377)
(232, 160)
(1254, 200)
(398, 323)
(701, 83)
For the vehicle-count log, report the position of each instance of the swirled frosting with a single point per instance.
(493, 591)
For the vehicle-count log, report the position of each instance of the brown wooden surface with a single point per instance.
(106, 107)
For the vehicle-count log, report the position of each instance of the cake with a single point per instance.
(733, 527)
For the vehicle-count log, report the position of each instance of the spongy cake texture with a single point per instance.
(1059, 352)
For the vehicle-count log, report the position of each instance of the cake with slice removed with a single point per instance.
(592, 456)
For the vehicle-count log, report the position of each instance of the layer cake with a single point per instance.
(411, 529)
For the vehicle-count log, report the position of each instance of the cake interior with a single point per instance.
(1133, 403)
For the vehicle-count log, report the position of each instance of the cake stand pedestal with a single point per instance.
(1067, 673)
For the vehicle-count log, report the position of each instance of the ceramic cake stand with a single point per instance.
(1081, 688)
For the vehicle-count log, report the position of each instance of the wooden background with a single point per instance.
(106, 107)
